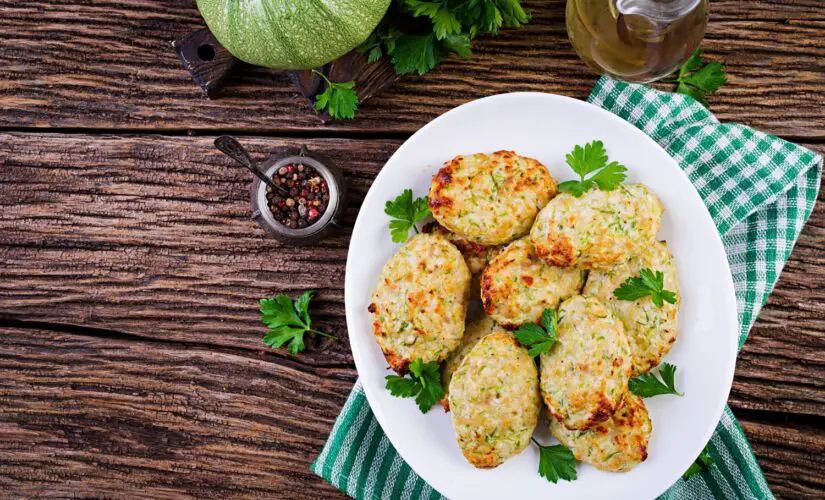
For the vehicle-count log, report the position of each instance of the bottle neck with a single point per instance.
(662, 11)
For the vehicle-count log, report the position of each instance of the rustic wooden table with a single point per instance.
(131, 361)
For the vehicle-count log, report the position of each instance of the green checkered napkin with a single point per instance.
(760, 191)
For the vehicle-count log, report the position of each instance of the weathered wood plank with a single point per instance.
(150, 236)
(109, 417)
(790, 455)
(108, 65)
(112, 418)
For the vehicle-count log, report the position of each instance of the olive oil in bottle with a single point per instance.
(636, 40)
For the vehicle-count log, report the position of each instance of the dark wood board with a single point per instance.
(159, 227)
(108, 239)
(96, 64)
(131, 362)
(99, 417)
(110, 417)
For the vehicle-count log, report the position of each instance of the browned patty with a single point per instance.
(490, 199)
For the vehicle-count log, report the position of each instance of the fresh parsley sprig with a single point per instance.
(423, 383)
(646, 284)
(592, 159)
(702, 462)
(406, 212)
(697, 79)
(538, 339)
(288, 321)
(340, 98)
(556, 462)
(647, 385)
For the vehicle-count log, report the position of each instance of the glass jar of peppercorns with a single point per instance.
(311, 202)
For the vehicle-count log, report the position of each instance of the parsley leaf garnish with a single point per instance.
(443, 18)
(339, 99)
(538, 339)
(698, 80)
(647, 385)
(592, 159)
(417, 53)
(556, 462)
(423, 382)
(288, 321)
(702, 462)
(405, 213)
(647, 283)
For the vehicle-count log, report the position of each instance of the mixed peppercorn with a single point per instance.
(308, 196)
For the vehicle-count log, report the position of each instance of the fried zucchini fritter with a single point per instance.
(490, 199)
(517, 286)
(651, 329)
(585, 375)
(494, 400)
(616, 445)
(598, 230)
(420, 301)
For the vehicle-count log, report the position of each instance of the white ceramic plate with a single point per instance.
(546, 127)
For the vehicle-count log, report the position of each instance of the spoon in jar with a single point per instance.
(233, 149)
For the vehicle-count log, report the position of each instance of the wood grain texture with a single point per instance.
(209, 63)
(147, 239)
(153, 236)
(104, 65)
(101, 417)
(790, 455)
(90, 417)
(131, 362)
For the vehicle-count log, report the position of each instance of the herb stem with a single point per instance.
(416, 228)
(322, 76)
(322, 333)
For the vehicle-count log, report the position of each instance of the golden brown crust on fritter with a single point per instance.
(490, 199)
(599, 229)
(517, 286)
(420, 301)
(615, 445)
(585, 375)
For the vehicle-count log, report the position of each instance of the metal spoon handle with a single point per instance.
(233, 149)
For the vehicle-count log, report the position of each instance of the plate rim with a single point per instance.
(358, 354)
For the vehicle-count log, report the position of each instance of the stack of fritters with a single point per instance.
(500, 220)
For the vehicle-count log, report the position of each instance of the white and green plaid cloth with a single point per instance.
(760, 191)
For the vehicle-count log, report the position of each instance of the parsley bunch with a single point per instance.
(538, 339)
(449, 27)
(423, 383)
(288, 321)
(591, 160)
